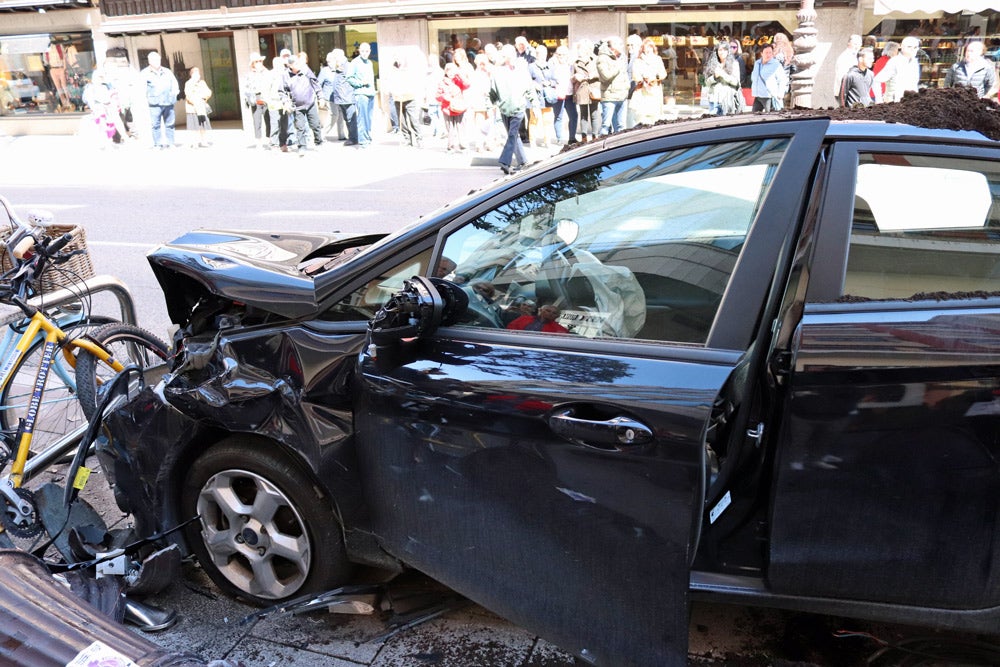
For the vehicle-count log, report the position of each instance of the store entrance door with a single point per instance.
(219, 70)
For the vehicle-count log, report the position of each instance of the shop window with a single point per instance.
(473, 38)
(941, 40)
(941, 244)
(44, 73)
(686, 48)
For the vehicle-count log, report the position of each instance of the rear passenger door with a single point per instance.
(886, 482)
(557, 475)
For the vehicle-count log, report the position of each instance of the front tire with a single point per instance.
(267, 531)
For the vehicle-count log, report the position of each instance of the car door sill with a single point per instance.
(747, 590)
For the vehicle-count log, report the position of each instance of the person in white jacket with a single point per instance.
(900, 74)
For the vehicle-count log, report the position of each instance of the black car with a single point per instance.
(767, 372)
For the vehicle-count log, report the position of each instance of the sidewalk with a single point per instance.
(233, 161)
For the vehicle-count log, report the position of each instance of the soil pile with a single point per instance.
(937, 108)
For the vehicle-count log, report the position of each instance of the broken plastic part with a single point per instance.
(43, 623)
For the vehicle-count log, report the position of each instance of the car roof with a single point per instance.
(942, 115)
(837, 128)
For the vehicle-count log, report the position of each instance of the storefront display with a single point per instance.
(318, 42)
(44, 73)
(693, 43)
(942, 40)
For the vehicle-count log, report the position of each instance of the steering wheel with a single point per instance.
(480, 312)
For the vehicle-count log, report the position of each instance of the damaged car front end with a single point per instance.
(252, 369)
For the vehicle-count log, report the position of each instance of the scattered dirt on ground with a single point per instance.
(938, 108)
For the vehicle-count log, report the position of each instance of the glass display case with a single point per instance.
(45, 72)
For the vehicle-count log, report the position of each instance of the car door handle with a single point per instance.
(614, 433)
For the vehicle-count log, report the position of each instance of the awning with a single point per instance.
(883, 7)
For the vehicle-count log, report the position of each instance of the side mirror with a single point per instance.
(417, 310)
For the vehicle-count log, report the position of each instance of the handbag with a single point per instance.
(549, 95)
(425, 117)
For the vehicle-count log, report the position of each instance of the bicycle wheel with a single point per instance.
(60, 413)
(129, 345)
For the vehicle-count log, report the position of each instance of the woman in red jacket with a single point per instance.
(452, 98)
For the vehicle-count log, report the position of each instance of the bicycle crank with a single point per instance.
(20, 514)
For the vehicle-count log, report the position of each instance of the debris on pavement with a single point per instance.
(42, 623)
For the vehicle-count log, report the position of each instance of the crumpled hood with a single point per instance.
(260, 269)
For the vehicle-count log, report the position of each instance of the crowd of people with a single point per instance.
(480, 97)
(502, 98)
(865, 75)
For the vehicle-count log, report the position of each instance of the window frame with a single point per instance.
(828, 264)
(783, 207)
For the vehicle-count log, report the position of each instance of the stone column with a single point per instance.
(805, 61)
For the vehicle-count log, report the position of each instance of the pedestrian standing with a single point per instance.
(633, 46)
(648, 74)
(196, 107)
(613, 72)
(541, 111)
(767, 82)
(722, 82)
(161, 95)
(856, 87)
(901, 73)
(511, 90)
(847, 59)
(279, 106)
(362, 77)
(325, 79)
(431, 79)
(255, 97)
(974, 71)
(407, 98)
(451, 96)
(588, 90)
(478, 96)
(301, 87)
(343, 96)
(564, 106)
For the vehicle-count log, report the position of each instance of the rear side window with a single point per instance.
(643, 248)
(924, 227)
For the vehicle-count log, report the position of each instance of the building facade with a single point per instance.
(50, 48)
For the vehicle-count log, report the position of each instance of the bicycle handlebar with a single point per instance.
(30, 250)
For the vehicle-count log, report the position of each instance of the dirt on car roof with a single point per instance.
(936, 108)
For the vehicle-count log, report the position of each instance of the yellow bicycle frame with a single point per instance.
(53, 336)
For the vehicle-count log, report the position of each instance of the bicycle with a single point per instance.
(97, 356)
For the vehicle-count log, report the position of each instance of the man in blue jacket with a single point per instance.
(768, 81)
(161, 94)
(362, 76)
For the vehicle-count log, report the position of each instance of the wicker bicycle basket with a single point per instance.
(76, 269)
